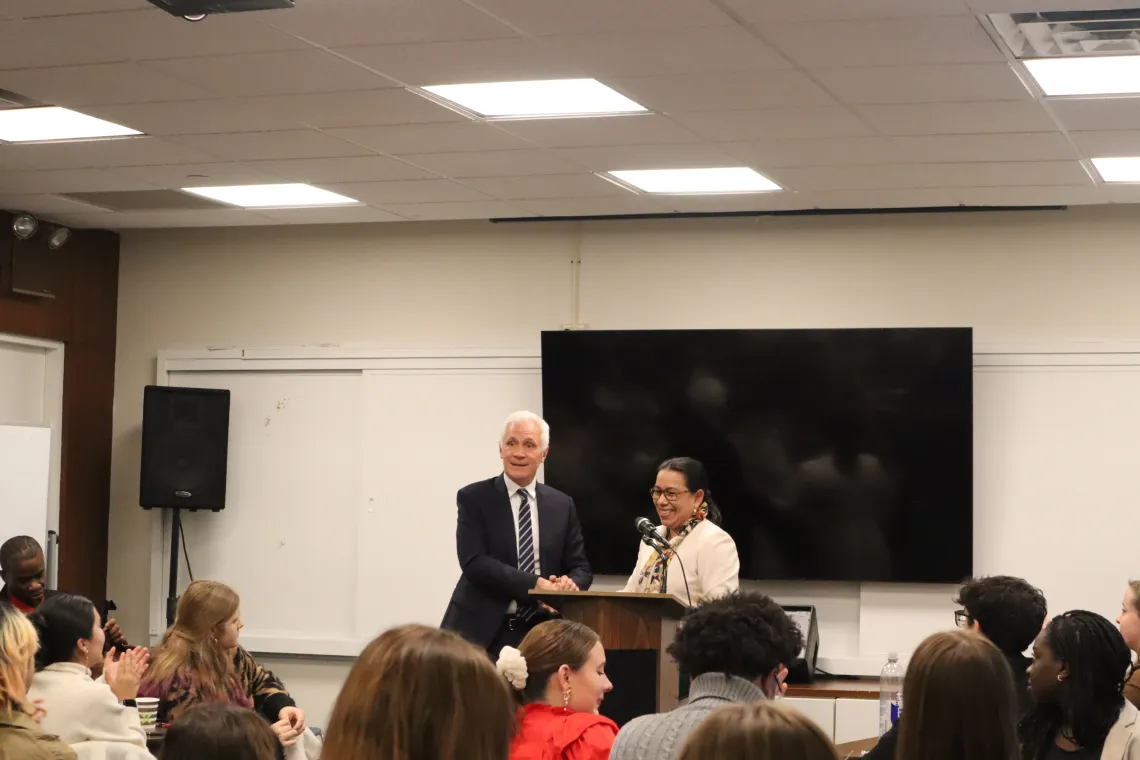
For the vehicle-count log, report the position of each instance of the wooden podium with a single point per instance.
(636, 630)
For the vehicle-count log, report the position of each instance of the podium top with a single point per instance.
(673, 607)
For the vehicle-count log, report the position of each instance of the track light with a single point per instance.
(195, 17)
(24, 226)
(59, 238)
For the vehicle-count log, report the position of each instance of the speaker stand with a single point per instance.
(172, 596)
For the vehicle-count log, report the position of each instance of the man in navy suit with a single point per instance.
(514, 535)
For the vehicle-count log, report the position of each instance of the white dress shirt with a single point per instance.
(513, 489)
(82, 710)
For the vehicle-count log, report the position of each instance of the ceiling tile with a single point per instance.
(354, 169)
(493, 163)
(135, 151)
(466, 61)
(676, 156)
(958, 118)
(924, 84)
(149, 33)
(547, 17)
(843, 10)
(254, 146)
(1036, 6)
(66, 181)
(272, 73)
(99, 84)
(739, 90)
(458, 210)
(895, 42)
(197, 175)
(550, 186)
(834, 151)
(191, 117)
(36, 8)
(611, 130)
(1033, 146)
(774, 124)
(46, 204)
(615, 206)
(411, 191)
(362, 108)
(1105, 144)
(1031, 196)
(1096, 114)
(225, 217)
(899, 176)
(459, 137)
(1121, 193)
(330, 215)
(388, 22)
(882, 199)
(21, 47)
(656, 53)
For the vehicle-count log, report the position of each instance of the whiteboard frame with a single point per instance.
(50, 416)
(1060, 354)
(317, 358)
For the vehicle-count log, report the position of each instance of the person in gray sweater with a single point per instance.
(735, 649)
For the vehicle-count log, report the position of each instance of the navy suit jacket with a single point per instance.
(487, 545)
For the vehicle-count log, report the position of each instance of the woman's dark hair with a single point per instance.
(61, 621)
(743, 634)
(696, 479)
(220, 732)
(1097, 659)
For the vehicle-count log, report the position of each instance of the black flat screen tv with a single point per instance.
(834, 455)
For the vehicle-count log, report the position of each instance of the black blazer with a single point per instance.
(487, 545)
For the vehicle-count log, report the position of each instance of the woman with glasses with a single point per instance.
(690, 531)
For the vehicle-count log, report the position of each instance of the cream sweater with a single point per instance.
(80, 709)
(711, 564)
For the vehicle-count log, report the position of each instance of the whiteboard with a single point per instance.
(25, 475)
(23, 374)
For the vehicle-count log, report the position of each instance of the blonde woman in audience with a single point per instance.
(960, 701)
(559, 677)
(758, 731)
(80, 709)
(219, 732)
(200, 660)
(21, 737)
(419, 693)
(1129, 624)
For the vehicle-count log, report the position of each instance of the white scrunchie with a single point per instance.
(512, 666)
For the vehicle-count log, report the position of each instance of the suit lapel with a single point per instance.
(548, 546)
(502, 522)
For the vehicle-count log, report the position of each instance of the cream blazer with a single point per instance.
(1123, 740)
(80, 709)
(711, 564)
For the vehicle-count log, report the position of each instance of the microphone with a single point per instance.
(651, 537)
(648, 533)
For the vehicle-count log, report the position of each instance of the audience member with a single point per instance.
(200, 660)
(20, 733)
(735, 648)
(1080, 663)
(960, 701)
(219, 732)
(418, 693)
(758, 731)
(559, 677)
(1129, 624)
(1009, 612)
(80, 709)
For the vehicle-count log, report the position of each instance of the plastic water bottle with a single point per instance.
(890, 693)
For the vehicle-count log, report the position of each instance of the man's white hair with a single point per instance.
(543, 428)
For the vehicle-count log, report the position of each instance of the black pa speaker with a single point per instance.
(185, 441)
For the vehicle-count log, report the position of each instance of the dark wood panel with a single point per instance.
(83, 317)
(838, 688)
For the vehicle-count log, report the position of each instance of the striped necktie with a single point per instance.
(526, 534)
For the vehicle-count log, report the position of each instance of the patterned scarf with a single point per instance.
(649, 582)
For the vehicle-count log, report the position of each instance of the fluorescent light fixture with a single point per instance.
(733, 179)
(51, 123)
(1123, 169)
(271, 196)
(1093, 75)
(544, 98)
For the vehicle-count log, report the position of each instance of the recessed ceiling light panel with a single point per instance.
(538, 99)
(52, 123)
(732, 179)
(272, 196)
(1119, 169)
(1093, 75)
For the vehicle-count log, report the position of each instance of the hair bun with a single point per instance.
(512, 666)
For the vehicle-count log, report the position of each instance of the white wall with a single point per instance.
(1024, 277)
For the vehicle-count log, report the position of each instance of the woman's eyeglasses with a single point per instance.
(670, 494)
(961, 619)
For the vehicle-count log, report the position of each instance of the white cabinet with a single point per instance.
(855, 719)
(820, 711)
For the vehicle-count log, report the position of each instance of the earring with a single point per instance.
(1059, 677)
(566, 699)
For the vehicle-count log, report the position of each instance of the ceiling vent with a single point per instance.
(1070, 33)
(15, 100)
(143, 200)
